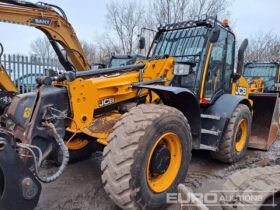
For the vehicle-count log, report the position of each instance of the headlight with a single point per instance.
(182, 69)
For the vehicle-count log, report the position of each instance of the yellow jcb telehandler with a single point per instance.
(146, 118)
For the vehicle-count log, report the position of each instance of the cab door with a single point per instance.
(219, 67)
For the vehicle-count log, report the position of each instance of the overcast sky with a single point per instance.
(88, 18)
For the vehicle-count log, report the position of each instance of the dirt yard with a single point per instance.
(80, 187)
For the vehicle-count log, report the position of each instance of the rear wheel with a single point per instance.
(234, 143)
(147, 156)
(80, 149)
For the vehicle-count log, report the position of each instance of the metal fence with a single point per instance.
(23, 70)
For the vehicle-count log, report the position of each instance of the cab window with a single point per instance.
(213, 82)
(229, 65)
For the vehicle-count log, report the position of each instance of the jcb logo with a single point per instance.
(242, 91)
(106, 102)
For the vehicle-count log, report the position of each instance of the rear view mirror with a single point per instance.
(142, 43)
(215, 34)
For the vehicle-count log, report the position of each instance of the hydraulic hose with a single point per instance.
(65, 156)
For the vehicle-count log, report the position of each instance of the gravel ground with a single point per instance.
(80, 187)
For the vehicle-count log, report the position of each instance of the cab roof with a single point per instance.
(206, 21)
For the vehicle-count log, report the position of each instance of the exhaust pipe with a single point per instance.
(241, 52)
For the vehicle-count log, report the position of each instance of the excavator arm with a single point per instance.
(52, 21)
(6, 84)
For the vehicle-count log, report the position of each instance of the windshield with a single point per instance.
(260, 70)
(116, 62)
(267, 71)
(185, 45)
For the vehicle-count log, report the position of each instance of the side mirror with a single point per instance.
(215, 34)
(241, 52)
(142, 43)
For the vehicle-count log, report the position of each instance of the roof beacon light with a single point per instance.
(225, 22)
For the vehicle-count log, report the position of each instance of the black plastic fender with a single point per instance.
(19, 189)
(183, 100)
(222, 108)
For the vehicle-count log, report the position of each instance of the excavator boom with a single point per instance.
(54, 25)
(6, 84)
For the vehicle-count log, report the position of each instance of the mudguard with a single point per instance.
(19, 189)
(222, 109)
(183, 100)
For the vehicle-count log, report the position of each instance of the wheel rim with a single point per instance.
(241, 135)
(77, 144)
(164, 162)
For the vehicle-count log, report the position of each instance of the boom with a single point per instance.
(53, 24)
(6, 83)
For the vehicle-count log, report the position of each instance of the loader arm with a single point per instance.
(54, 25)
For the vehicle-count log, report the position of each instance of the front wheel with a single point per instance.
(147, 156)
(234, 143)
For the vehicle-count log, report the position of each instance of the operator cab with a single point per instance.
(204, 53)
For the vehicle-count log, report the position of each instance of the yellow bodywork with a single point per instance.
(256, 85)
(6, 83)
(241, 87)
(86, 96)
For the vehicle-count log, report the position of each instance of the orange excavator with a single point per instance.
(52, 21)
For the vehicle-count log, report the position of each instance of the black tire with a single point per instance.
(227, 152)
(262, 181)
(129, 146)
